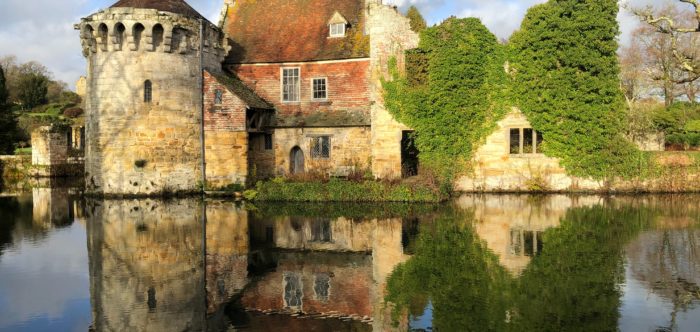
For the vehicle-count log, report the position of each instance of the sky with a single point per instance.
(42, 30)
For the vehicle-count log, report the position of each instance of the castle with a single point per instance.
(175, 102)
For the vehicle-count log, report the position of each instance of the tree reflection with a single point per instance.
(572, 285)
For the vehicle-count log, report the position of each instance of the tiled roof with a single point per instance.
(322, 119)
(174, 6)
(294, 31)
(235, 85)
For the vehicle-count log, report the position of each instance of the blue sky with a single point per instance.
(42, 30)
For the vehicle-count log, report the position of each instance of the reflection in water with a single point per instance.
(503, 263)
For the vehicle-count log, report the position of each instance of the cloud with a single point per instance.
(42, 30)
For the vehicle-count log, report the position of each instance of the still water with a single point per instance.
(479, 263)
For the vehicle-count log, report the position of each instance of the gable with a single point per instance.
(294, 31)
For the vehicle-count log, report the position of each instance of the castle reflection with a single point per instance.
(155, 267)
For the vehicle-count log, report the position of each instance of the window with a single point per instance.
(338, 30)
(321, 231)
(321, 147)
(147, 91)
(319, 89)
(322, 286)
(292, 291)
(290, 84)
(524, 141)
(268, 141)
(218, 97)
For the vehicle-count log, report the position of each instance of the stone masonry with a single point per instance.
(138, 145)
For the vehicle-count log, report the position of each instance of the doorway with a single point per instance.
(296, 161)
(409, 154)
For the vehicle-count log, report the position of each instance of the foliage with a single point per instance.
(336, 190)
(460, 101)
(680, 123)
(417, 21)
(348, 210)
(570, 285)
(8, 123)
(33, 89)
(566, 79)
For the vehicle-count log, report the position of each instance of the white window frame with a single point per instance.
(313, 91)
(337, 34)
(282, 85)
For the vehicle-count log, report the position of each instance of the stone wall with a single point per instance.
(495, 169)
(390, 36)
(350, 149)
(226, 139)
(135, 146)
(53, 154)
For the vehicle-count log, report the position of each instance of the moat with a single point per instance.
(477, 263)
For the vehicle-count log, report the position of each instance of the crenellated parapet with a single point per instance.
(149, 30)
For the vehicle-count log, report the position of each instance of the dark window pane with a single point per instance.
(528, 141)
(292, 290)
(540, 139)
(321, 147)
(147, 91)
(268, 142)
(322, 286)
(529, 243)
(218, 97)
(515, 141)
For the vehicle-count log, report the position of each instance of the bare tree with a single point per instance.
(681, 30)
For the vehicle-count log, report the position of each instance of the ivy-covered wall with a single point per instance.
(560, 69)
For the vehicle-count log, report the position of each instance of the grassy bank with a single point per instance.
(337, 190)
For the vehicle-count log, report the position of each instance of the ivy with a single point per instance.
(455, 94)
(566, 79)
(560, 70)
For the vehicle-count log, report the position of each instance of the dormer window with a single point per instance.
(338, 30)
(337, 25)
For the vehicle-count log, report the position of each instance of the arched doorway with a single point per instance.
(296, 161)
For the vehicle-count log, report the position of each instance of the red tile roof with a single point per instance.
(264, 31)
(174, 6)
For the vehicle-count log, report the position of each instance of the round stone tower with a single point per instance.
(144, 96)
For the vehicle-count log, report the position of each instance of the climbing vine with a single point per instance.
(453, 94)
(566, 81)
(560, 69)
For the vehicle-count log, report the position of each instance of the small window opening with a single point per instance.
(218, 97)
(158, 36)
(268, 142)
(147, 91)
(338, 30)
(120, 36)
(292, 291)
(137, 32)
(322, 231)
(321, 147)
(320, 89)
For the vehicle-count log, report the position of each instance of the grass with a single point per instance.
(23, 151)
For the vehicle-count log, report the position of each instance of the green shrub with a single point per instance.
(336, 190)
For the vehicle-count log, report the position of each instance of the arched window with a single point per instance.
(157, 34)
(102, 32)
(147, 91)
(120, 36)
(137, 32)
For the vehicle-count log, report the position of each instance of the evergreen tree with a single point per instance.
(566, 80)
(33, 89)
(8, 124)
(418, 23)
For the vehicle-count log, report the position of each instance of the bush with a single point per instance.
(73, 112)
(336, 190)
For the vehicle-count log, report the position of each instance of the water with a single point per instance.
(479, 263)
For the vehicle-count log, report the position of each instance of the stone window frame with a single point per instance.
(339, 32)
(314, 151)
(537, 139)
(218, 97)
(313, 88)
(283, 70)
